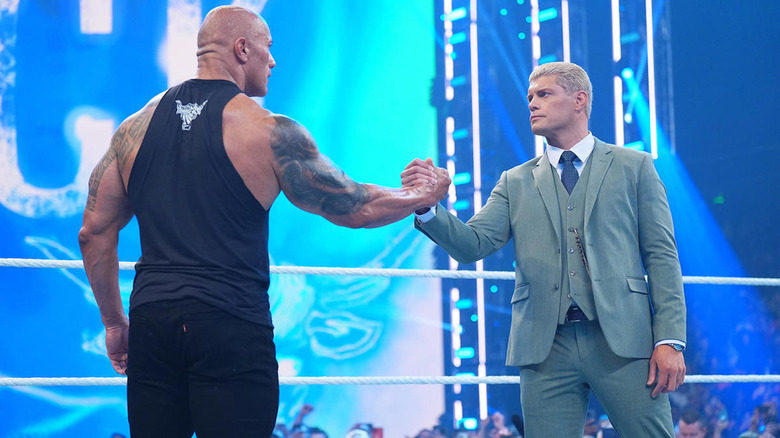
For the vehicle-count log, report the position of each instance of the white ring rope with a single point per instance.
(383, 272)
(375, 380)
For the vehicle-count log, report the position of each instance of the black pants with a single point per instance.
(195, 368)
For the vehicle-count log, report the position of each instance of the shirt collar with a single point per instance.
(582, 150)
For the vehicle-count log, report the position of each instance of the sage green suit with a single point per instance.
(627, 227)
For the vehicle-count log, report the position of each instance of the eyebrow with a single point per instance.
(547, 89)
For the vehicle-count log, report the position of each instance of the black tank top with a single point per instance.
(203, 233)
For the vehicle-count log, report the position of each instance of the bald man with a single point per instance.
(200, 166)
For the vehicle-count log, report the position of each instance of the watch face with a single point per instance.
(678, 347)
(358, 433)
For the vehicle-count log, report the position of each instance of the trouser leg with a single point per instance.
(157, 394)
(554, 394)
(233, 375)
(620, 386)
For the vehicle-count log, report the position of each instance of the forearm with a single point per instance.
(484, 234)
(462, 242)
(382, 206)
(102, 267)
(389, 205)
(664, 276)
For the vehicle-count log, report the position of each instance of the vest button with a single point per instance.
(571, 229)
(572, 273)
(571, 207)
(555, 286)
(568, 295)
(571, 250)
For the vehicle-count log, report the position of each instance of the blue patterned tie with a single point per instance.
(569, 176)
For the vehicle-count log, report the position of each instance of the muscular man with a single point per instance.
(200, 166)
(587, 220)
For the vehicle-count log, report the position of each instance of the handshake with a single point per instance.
(432, 181)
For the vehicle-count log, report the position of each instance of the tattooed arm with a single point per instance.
(313, 183)
(106, 213)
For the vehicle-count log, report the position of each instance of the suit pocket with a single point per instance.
(638, 285)
(521, 292)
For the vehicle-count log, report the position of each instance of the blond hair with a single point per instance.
(571, 77)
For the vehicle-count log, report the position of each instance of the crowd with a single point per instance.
(704, 415)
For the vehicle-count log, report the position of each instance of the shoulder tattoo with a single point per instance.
(126, 139)
(311, 178)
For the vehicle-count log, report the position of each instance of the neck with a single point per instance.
(567, 140)
(214, 68)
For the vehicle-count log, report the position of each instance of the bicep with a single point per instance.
(308, 178)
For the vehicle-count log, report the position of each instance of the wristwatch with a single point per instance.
(677, 347)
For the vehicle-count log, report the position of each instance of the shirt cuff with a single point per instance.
(671, 342)
(427, 216)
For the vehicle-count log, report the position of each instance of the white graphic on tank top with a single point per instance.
(188, 113)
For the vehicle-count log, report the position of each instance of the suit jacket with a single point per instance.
(628, 231)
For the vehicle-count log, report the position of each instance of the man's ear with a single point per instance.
(580, 100)
(241, 50)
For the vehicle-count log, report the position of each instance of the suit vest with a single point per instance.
(576, 285)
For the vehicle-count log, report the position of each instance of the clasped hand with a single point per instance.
(421, 173)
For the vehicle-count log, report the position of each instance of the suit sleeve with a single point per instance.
(485, 233)
(659, 256)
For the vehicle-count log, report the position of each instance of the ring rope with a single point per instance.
(384, 272)
(381, 380)
(374, 380)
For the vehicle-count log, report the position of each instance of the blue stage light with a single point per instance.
(548, 14)
(461, 178)
(470, 423)
(458, 80)
(460, 134)
(464, 353)
(638, 145)
(461, 205)
(629, 38)
(464, 303)
(458, 38)
(456, 14)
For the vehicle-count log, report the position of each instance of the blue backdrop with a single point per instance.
(70, 72)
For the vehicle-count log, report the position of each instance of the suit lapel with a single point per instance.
(543, 177)
(601, 158)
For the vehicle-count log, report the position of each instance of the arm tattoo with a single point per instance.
(97, 175)
(311, 179)
(126, 139)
